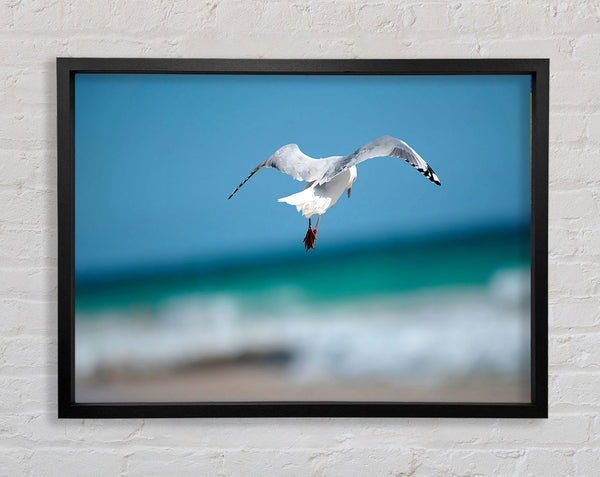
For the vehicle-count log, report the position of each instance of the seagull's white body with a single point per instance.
(315, 199)
(327, 178)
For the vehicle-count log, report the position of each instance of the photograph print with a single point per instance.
(302, 238)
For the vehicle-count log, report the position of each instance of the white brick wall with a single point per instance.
(34, 442)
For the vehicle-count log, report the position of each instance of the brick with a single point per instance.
(43, 15)
(574, 279)
(432, 16)
(23, 395)
(564, 242)
(26, 246)
(572, 313)
(88, 15)
(381, 17)
(555, 17)
(27, 430)
(137, 16)
(595, 430)
(120, 431)
(475, 16)
(568, 128)
(36, 87)
(586, 94)
(557, 430)
(292, 462)
(20, 125)
(174, 462)
(575, 18)
(66, 462)
(20, 316)
(587, 461)
(574, 165)
(576, 389)
(182, 16)
(6, 15)
(308, 433)
(332, 16)
(548, 462)
(593, 129)
(24, 282)
(120, 47)
(581, 351)
(27, 353)
(264, 17)
(408, 46)
(591, 242)
(468, 462)
(27, 207)
(573, 204)
(364, 461)
(15, 462)
(585, 50)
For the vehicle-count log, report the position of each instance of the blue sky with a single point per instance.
(158, 155)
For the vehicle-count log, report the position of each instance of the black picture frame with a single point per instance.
(537, 68)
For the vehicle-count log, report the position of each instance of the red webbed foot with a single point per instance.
(309, 239)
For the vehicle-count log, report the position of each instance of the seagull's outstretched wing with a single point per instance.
(385, 146)
(292, 161)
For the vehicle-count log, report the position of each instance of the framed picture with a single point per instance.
(335, 238)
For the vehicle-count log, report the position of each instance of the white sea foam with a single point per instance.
(439, 334)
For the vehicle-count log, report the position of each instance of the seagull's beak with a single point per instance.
(349, 189)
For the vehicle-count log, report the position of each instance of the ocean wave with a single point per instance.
(434, 334)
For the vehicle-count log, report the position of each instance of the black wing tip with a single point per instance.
(432, 176)
(258, 168)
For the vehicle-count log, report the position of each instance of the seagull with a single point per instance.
(327, 178)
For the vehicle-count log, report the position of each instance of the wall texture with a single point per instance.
(33, 33)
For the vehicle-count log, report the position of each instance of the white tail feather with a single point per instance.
(308, 202)
(315, 199)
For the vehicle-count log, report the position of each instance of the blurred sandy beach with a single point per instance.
(269, 383)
